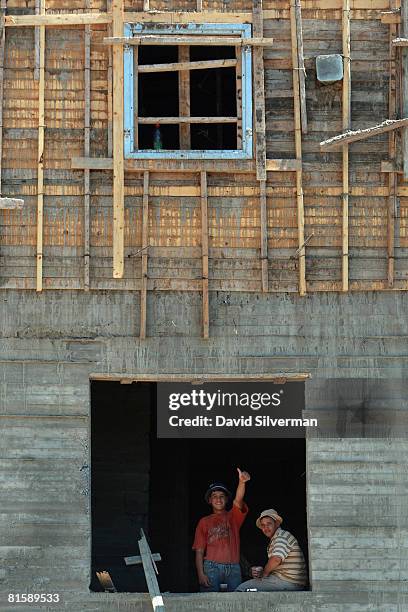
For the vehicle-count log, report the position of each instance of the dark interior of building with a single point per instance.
(212, 94)
(159, 485)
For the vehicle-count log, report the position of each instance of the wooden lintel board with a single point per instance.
(174, 17)
(208, 41)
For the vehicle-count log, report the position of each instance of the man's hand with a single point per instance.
(204, 580)
(243, 476)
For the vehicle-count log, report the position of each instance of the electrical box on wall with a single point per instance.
(329, 68)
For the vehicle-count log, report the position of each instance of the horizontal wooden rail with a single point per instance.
(400, 42)
(178, 66)
(207, 41)
(57, 20)
(353, 136)
(174, 17)
(149, 120)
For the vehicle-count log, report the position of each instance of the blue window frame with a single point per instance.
(208, 29)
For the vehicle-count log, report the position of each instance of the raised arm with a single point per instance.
(243, 478)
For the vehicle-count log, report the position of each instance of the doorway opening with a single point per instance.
(139, 481)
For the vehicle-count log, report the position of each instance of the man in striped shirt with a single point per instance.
(286, 568)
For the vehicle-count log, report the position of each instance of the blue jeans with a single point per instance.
(271, 583)
(221, 573)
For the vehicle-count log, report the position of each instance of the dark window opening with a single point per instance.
(212, 93)
(140, 481)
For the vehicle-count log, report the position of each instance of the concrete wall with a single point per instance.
(357, 489)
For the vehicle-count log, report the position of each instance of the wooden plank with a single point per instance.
(110, 86)
(174, 17)
(11, 203)
(298, 149)
(301, 63)
(184, 96)
(208, 41)
(145, 244)
(37, 45)
(400, 42)
(168, 165)
(40, 158)
(277, 377)
(346, 106)
(87, 142)
(57, 20)
(283, 165)
(150, 574)
(173, 120)
(137, 559)
(187, 65)
(392, 177)
(199, 6)
(204, 253)
(118, 161)
(259, 95)
(390, 166)
(264, 236)
(390, 17)
(146, 5)
(354, 136)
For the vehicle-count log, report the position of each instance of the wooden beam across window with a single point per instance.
(172, 120)
(181, 66)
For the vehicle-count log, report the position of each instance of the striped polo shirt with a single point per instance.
(293, 568)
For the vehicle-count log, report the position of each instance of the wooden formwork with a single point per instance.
(294, 218)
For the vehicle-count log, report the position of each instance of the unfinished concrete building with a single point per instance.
(241, 214)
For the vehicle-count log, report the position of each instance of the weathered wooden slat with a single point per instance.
(279, 377)
(346, 106)
(355, 135)
(40, 153)
(145, 245)
(184, 97)
(57, 20)
(174, 17)
(118, 161)
(11, 203)
(137, 559)
(204, 253)
(298, 149)
(186, 165)
(208, 41)
(37, 45)
(259, 95)
(301, 62)
(187, 65)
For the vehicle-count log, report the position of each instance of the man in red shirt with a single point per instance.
(216, 541)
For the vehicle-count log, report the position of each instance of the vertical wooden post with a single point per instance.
(145, 255)
(392, 177)
(110, 86)
(264, 237)
(404, 54)
(37, 44)
(2, 51)
(259, 93)
(301, 62)
(346, 126)
(87, 141)
(204, 253)
(40, 165)
(118, 162)
(199, 6)
(298, 150)
(260, 150)
(146, 5)
(238, 80)
(184, 99)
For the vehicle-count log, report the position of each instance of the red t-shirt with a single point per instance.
(218, 535)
